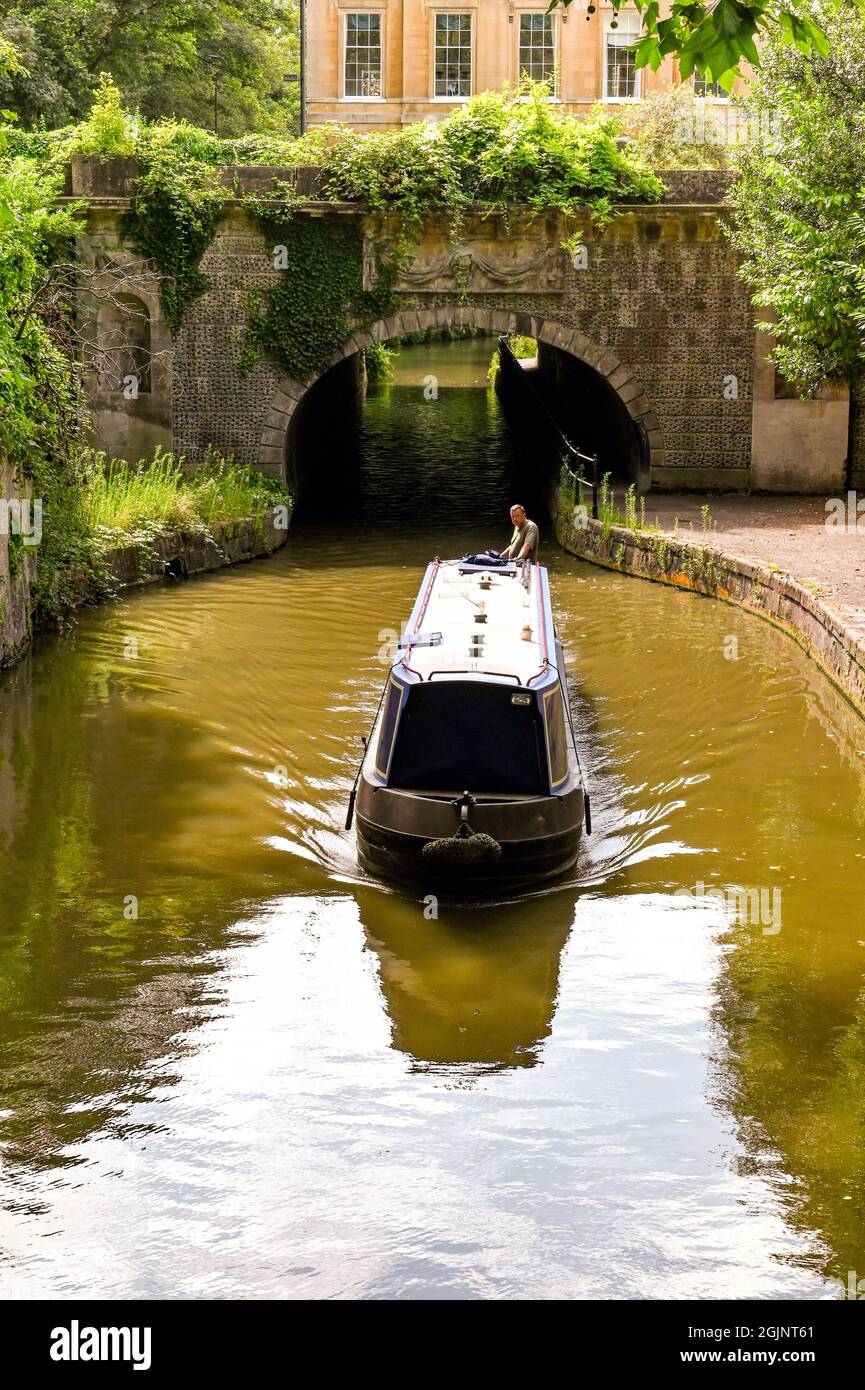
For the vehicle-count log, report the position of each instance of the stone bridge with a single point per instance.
(651, 307)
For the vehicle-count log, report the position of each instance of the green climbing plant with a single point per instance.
(378, 360)
(174, 209)
(318, 299)
(500, 151)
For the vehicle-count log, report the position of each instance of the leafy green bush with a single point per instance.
(108, 130)
(193, 143)
(502, 149)
(523, 347)
(38, 145)
(675, 129)
(799, 201)
(407, 170)
(379, 361)
(41, 404)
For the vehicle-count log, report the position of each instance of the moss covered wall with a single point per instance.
(17, 572)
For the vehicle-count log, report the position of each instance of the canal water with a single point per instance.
(234, 1067)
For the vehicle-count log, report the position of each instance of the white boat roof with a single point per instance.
(516, 636)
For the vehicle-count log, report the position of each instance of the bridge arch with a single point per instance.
(602, 360)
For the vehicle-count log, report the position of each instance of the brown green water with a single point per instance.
(281, 1079)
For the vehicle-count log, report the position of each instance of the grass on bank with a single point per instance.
(128, 503)
(378, 360)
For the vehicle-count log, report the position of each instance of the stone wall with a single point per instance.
(798, 445)
(174, 556)
(654, 303)
(694, 187)
(17, 573)
(659, 293)
(180, 555)
(130, 417)
(214, 402)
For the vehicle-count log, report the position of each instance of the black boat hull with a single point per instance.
(538, 841)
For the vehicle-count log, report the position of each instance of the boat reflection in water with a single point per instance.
(473, 989)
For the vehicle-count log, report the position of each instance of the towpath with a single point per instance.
(787, 533)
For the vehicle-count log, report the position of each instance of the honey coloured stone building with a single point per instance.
(379, 64)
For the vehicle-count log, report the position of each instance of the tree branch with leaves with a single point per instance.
(716, 38)
(799, 201)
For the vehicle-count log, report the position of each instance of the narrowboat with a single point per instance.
(471, 782)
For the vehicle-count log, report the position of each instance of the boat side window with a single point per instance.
(554, 713)
(388, 726)
(456, 735)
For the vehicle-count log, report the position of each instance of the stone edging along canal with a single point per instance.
(837, 649)
(178, 555)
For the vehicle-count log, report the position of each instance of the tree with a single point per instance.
(715, 37)
(676, 129)
(9, 60)
(40, 401)
(176, 58)
(799, 200)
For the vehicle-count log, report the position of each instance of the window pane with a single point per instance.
(557, 740)
(388, 726)
(621, 73)
(621, 62)
(628, 28)
(704, 88)
(537, 56)
(453, 55)
(363, 55)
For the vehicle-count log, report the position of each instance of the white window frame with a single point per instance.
(608, 17)
(554, 19)
(434, 15)
(714, 96)
(364, 10)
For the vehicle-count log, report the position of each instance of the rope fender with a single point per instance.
(465, 846)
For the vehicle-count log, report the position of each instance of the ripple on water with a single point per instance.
(276, 1076)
